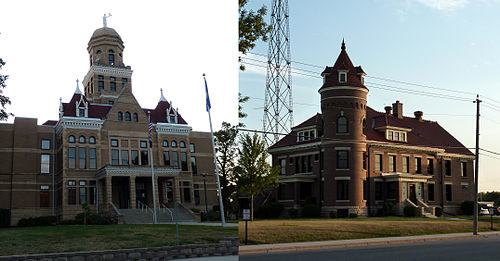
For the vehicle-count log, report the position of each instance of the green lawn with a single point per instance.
(31, 240)
(302, 230)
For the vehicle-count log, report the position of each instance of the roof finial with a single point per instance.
(162, 98)
(343, 45)
(104, 21)
(77, 91)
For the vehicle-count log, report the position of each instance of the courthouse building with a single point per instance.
(98, 151)
(354, 159)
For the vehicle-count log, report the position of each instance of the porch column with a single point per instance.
(176, 190)
(133, 204)
(109, 192)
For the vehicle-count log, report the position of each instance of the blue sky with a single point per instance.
(439, 43)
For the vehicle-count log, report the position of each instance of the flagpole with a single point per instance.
(215, 156)
(150, 129)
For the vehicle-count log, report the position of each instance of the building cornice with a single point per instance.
(135, 170)
(297, 178)
(99, 69)
(295, 147)
(169, 128)
(330, 88)
(67, 122)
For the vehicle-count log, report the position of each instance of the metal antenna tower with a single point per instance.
(278, 106)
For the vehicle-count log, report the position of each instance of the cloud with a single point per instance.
(444, 5)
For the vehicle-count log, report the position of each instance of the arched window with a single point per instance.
(165, 143)
(182, 144)
(120, 116)
(111, 57)
(98, 52)
(364, 125)
(136, 118)
(174, 144)
(92, 140)
(342, 125)
(71, 139)
(127, 116)
(81, 139)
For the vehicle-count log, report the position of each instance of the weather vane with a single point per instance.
(104, 21)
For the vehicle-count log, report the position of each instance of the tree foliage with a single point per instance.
(490, 196)
(226, 149)
(252, 27)
(253, 174)
(4, 100)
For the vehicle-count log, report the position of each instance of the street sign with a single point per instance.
(246, 214)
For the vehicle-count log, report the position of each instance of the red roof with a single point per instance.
(159, 114)
(423, 133)
(343, 63)
(50, 123)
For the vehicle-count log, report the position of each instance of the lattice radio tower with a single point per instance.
(278, 108)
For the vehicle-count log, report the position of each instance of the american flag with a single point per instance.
(150, 132)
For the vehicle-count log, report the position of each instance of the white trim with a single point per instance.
(98, 69)
(342, 97)
(431, 182)
(169, 128)
(329, 88)
(343, 178)
(295, 147)
(448, 183)
(342, 148)
(78, 123)
(464, 183)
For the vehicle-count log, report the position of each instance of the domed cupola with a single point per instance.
(106, 47)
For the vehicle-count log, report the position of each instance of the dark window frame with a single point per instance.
(342, 127)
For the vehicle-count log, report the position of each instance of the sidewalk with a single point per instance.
(266, 248)
(210, 224)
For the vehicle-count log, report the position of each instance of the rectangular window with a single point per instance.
(392, 190)
(283, 166)
(378, 190)
(45, 144)
(186, 191)
(378, 162)
(115, 160)
(447, 167)
(166, 158)
(184, 164)
(342, 189)
(112, 86)
(390, 135)
(196, 190)
(45, 164)
(144, 144)
(297, 167)
(191, 147)
(194, 169)
(365, 190)
(392, 163)
(309, 163)
(430, 166)
(418, 165)
(364, 160)
(114, 143)
(135, 157)
(92, 192)
(463, 167)
(396, 136)
(44, 196)
(448, 192)
(125, 157)
(303, 165)
(71, 192)
(406, 164)
(100, 85)
(82, 156)
(100, 77)
(144, 157)
(92, 158)
(430, 189)
(72, 157)
(342, 159)
(83, 195)
(175, 160)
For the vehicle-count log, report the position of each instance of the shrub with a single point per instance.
(388, 209)
(293, 212)
(410, 211)
(353, 215)
(467, 207)
(210, 216)
(37, 221)
(311, 211)
(333, 214)
(4, 217)
(93, 219)
(438, 212)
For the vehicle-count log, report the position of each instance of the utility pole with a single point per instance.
(476, 176)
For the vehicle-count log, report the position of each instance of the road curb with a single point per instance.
(267, 248)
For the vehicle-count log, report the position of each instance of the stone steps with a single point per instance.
(137, 216)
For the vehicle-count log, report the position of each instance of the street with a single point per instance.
(456, 249)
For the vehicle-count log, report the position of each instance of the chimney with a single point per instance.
(418, 115)
(398, 109)
(388, 110)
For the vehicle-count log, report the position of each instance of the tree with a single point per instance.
(253, 174)
(4, 100)
(252, 27)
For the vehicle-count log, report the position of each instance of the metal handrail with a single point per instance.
(163, 207)
(144, 207)
(115, 209)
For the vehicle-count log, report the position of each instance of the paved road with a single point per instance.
(458, 249)
(212, 258)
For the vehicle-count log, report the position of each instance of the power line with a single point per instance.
(492, 152)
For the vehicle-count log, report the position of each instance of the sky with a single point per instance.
(448, 44)
(168, 44)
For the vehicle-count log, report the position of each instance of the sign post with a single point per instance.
(246, 217)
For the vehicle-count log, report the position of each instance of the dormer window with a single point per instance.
(396, 135)
(82, 108)
(342, 77)
(81, 112)
(306, 135)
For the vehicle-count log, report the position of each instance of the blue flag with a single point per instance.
(206, 91)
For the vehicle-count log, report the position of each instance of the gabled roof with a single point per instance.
(343, 63)
(423, 133)
(313, 121)
(159, 114)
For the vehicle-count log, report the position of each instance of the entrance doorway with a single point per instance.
(140, 193)
(412, 193)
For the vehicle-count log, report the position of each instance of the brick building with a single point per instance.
(98, 151)
(354, 159)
